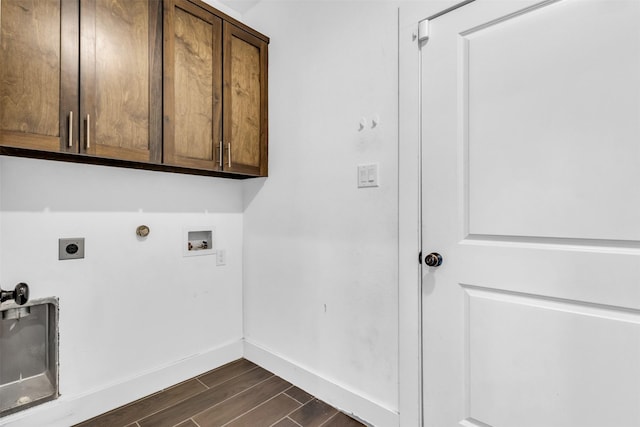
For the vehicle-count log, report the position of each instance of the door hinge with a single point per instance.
(423, 31)
(420, 258)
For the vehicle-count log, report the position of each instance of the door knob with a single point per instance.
(434, 259)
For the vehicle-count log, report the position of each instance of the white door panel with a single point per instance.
(530, 189)
(558, 356)
(543, 89)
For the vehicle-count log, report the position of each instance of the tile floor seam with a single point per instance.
(330, 418)
(198, 379)
(193, 395)
(230, 397)
(302, 403)
(162, 391)
(194, 421)
(294, 410)
(263, 403)
(136, 422)
(227, 380)
(286, 417)
(169, 406)
(294, 421)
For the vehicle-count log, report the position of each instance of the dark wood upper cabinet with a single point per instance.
(245, 102)
(82, 77)
(215, 92)
(121, 79)
(38, 73)
(192, 86)
(165, 85)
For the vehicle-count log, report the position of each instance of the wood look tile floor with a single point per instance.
(239, 394)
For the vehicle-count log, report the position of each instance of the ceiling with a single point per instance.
(240, 6)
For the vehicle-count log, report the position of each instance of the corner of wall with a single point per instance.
(340, 396)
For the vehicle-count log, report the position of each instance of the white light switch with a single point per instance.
(368, 175)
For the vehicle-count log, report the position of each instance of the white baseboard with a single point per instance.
(328, 391)
(69, 410)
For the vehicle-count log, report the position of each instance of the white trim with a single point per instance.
(337, 395)
(409, 363)
(409, 233)
(70, 410)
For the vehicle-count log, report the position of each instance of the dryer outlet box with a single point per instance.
(72, 248)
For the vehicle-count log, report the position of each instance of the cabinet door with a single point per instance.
(192, 86)
(245, 102)
(38, 74)
(121, 79)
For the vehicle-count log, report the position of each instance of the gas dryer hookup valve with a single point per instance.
(20, 294)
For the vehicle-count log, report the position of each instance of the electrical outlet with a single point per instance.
(71, 248)
(221, 257)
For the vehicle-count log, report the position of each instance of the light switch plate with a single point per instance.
(368, 175)
(221, 257)
(72, 248)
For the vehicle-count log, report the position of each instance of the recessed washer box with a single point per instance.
(198, 241)
(71, 248)
(29, 354)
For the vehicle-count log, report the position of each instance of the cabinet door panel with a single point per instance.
(120, 79)
(193, 86)
(245, 113)
(32, 70)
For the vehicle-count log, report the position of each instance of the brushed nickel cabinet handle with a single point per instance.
(220, 156)
(229, 157)
(70, 143)
(88, 131)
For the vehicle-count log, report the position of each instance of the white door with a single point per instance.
(531, 194)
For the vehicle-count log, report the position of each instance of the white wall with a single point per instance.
(319, 256)
(321, 275)
(135, 315)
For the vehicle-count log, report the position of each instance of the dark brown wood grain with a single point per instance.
(70, 69)
(313, 414)
(267, 413)
(207, 399)
(192, 85)
(286, 422)
(98, 82)
(245, 102)
(299, 395)
(117, 75)
(253, 398)
(231, 20)
(342, 420)
(92, 160)
(230, 409)
(30, 73)
(227, 372)
(142, 408)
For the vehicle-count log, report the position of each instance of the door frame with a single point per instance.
(410, 404)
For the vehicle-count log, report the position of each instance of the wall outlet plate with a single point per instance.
(198, 241)
(221, 257)
(71, 248)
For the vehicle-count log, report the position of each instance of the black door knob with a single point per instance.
(434, 259)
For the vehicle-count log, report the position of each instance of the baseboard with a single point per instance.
(337, 395)
(70, 410)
